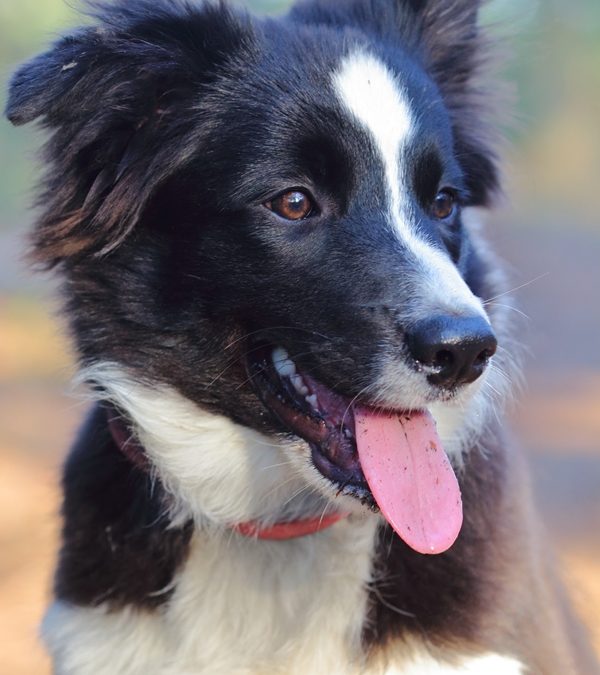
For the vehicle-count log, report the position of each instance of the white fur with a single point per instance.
(486, 664)
(219, 472)
(247, 608)
(377, 101)
(241, 607)
(238, 607)
(459, 421)
(375, 98)
(294, 607)
(216, 471)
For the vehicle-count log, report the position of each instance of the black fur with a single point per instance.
(445, 38)
(121, 99)
(119, 546)
(171, 125)
(441, 598)
(175, 123)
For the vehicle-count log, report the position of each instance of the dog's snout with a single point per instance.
(456, 349)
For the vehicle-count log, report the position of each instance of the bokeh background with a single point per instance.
(548, 230)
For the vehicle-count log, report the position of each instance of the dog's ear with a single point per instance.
(461, 57)
(122, 100)
(445, 37)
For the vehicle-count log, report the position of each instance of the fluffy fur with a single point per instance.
(175, 129)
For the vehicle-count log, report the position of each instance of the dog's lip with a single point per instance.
(327, 424)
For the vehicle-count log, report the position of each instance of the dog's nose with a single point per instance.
(456, 349)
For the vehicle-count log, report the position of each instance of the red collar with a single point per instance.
(127, 443)
(291, 530)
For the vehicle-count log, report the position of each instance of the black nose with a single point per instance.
(457, 349)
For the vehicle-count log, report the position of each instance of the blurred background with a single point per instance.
(548, 231)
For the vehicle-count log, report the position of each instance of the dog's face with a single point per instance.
(268, 217)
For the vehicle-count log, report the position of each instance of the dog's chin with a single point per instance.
(325, 419)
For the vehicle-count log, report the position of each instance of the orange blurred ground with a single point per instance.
(37, 421)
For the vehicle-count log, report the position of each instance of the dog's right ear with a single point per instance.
(40, 88)
(122, 100)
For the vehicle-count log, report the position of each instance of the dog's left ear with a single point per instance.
(445, 37)
(123, 102)
(458, 54)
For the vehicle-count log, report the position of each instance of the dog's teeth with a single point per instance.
(299, 385)
(285, 367)
(313, 401)
(279, 354)
(282, 362)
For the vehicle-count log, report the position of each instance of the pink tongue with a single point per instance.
(410, 477)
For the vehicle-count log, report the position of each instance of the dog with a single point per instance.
(272, 270)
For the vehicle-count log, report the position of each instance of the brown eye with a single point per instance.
(443, 205)
(292, 205)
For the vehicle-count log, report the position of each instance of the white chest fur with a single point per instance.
(252, 608)
(238, 606)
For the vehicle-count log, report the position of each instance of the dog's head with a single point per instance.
(267, 216)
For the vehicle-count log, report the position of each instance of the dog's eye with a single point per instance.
(443, 205)
(292, 205)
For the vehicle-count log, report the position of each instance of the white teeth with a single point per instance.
(299, 385)
(282, 362)
(287, 368)
(313, 401)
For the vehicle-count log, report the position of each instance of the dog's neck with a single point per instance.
(125, 440)
(259, 603)
(195, 454)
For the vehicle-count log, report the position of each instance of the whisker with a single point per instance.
(292, 356)
(277, 487)
(327, 505)
(517, 288)
(362, 391)
(491, 386)
(497, 369)
(263, 330)
(231, 363)
(237, 358)
(276, 466)
(305, 488)
(374, 589)
(266, 444)
(514, 309)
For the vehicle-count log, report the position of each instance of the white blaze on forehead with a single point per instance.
(376, 99)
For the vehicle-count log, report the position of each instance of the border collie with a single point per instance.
(287, 318)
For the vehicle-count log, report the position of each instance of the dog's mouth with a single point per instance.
(314, 413)
(389, 460)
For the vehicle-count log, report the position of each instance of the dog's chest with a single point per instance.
(238, 606)
(252, 608)
(294, 607)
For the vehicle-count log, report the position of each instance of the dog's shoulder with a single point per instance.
(119, 545)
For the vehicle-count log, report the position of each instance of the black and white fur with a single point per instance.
(173, 124)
